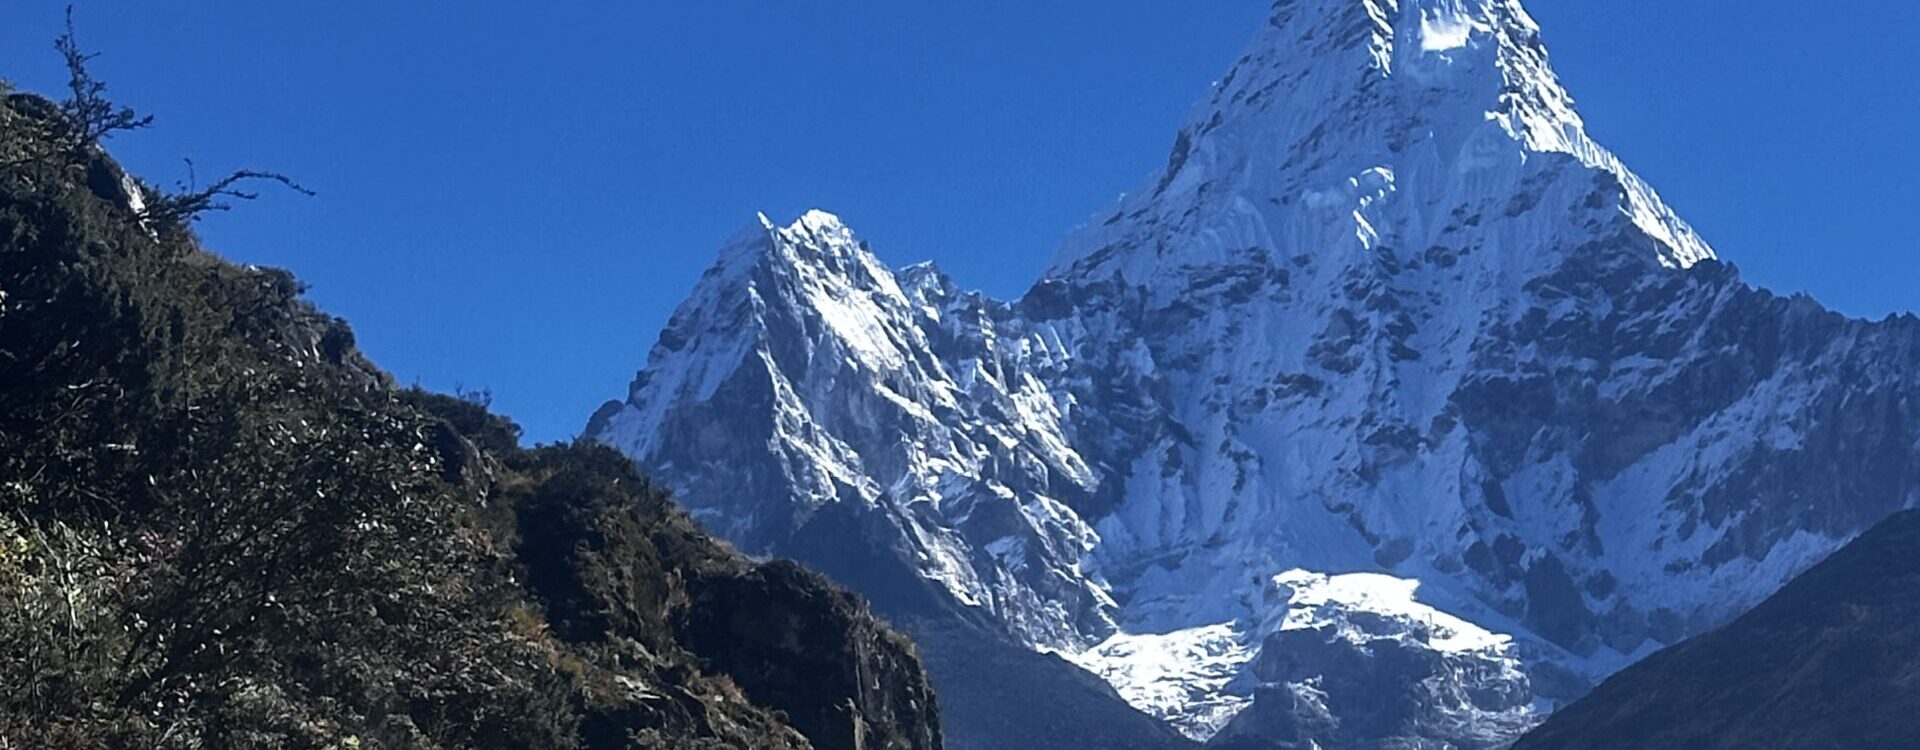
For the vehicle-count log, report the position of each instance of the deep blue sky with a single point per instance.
(515, 195)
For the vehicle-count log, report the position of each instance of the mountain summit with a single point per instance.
(1342, 101)
(1395, 410)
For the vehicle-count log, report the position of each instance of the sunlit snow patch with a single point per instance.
(1316, 600)
(1349, 658)
(1444, 28)
(1181, 677)
(1200, 679)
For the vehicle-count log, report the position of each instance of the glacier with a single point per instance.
(1391, 376)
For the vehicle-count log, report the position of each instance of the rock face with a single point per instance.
(1829, 661)
(842, 680)
(1388, 309)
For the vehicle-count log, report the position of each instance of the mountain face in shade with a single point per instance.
(1388, 310)
(1832, 660)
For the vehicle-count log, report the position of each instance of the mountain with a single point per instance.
(1829, 661)
(1388, 311)
(801, 325)
(221, 526)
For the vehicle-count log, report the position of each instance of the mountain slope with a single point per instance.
(220, 526)
(1832, 660)
(1387, 310)
(800, 380)
(1011, 697)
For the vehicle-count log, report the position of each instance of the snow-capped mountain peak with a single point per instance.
(800, 365)
(771, 286)
(1337, 106)
(1388, 311)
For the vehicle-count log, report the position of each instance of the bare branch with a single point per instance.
(91, 117)
(186, 206)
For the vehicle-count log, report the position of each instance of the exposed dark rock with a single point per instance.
(797, 643)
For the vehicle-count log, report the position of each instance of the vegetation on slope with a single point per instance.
(221, 527)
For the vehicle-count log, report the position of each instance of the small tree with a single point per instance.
(90, 117)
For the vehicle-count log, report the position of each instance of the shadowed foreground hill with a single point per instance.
(221, 527)
(1831, 661)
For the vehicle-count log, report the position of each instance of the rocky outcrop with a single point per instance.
(796, 643)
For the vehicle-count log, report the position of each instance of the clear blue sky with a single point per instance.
(515, 195)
